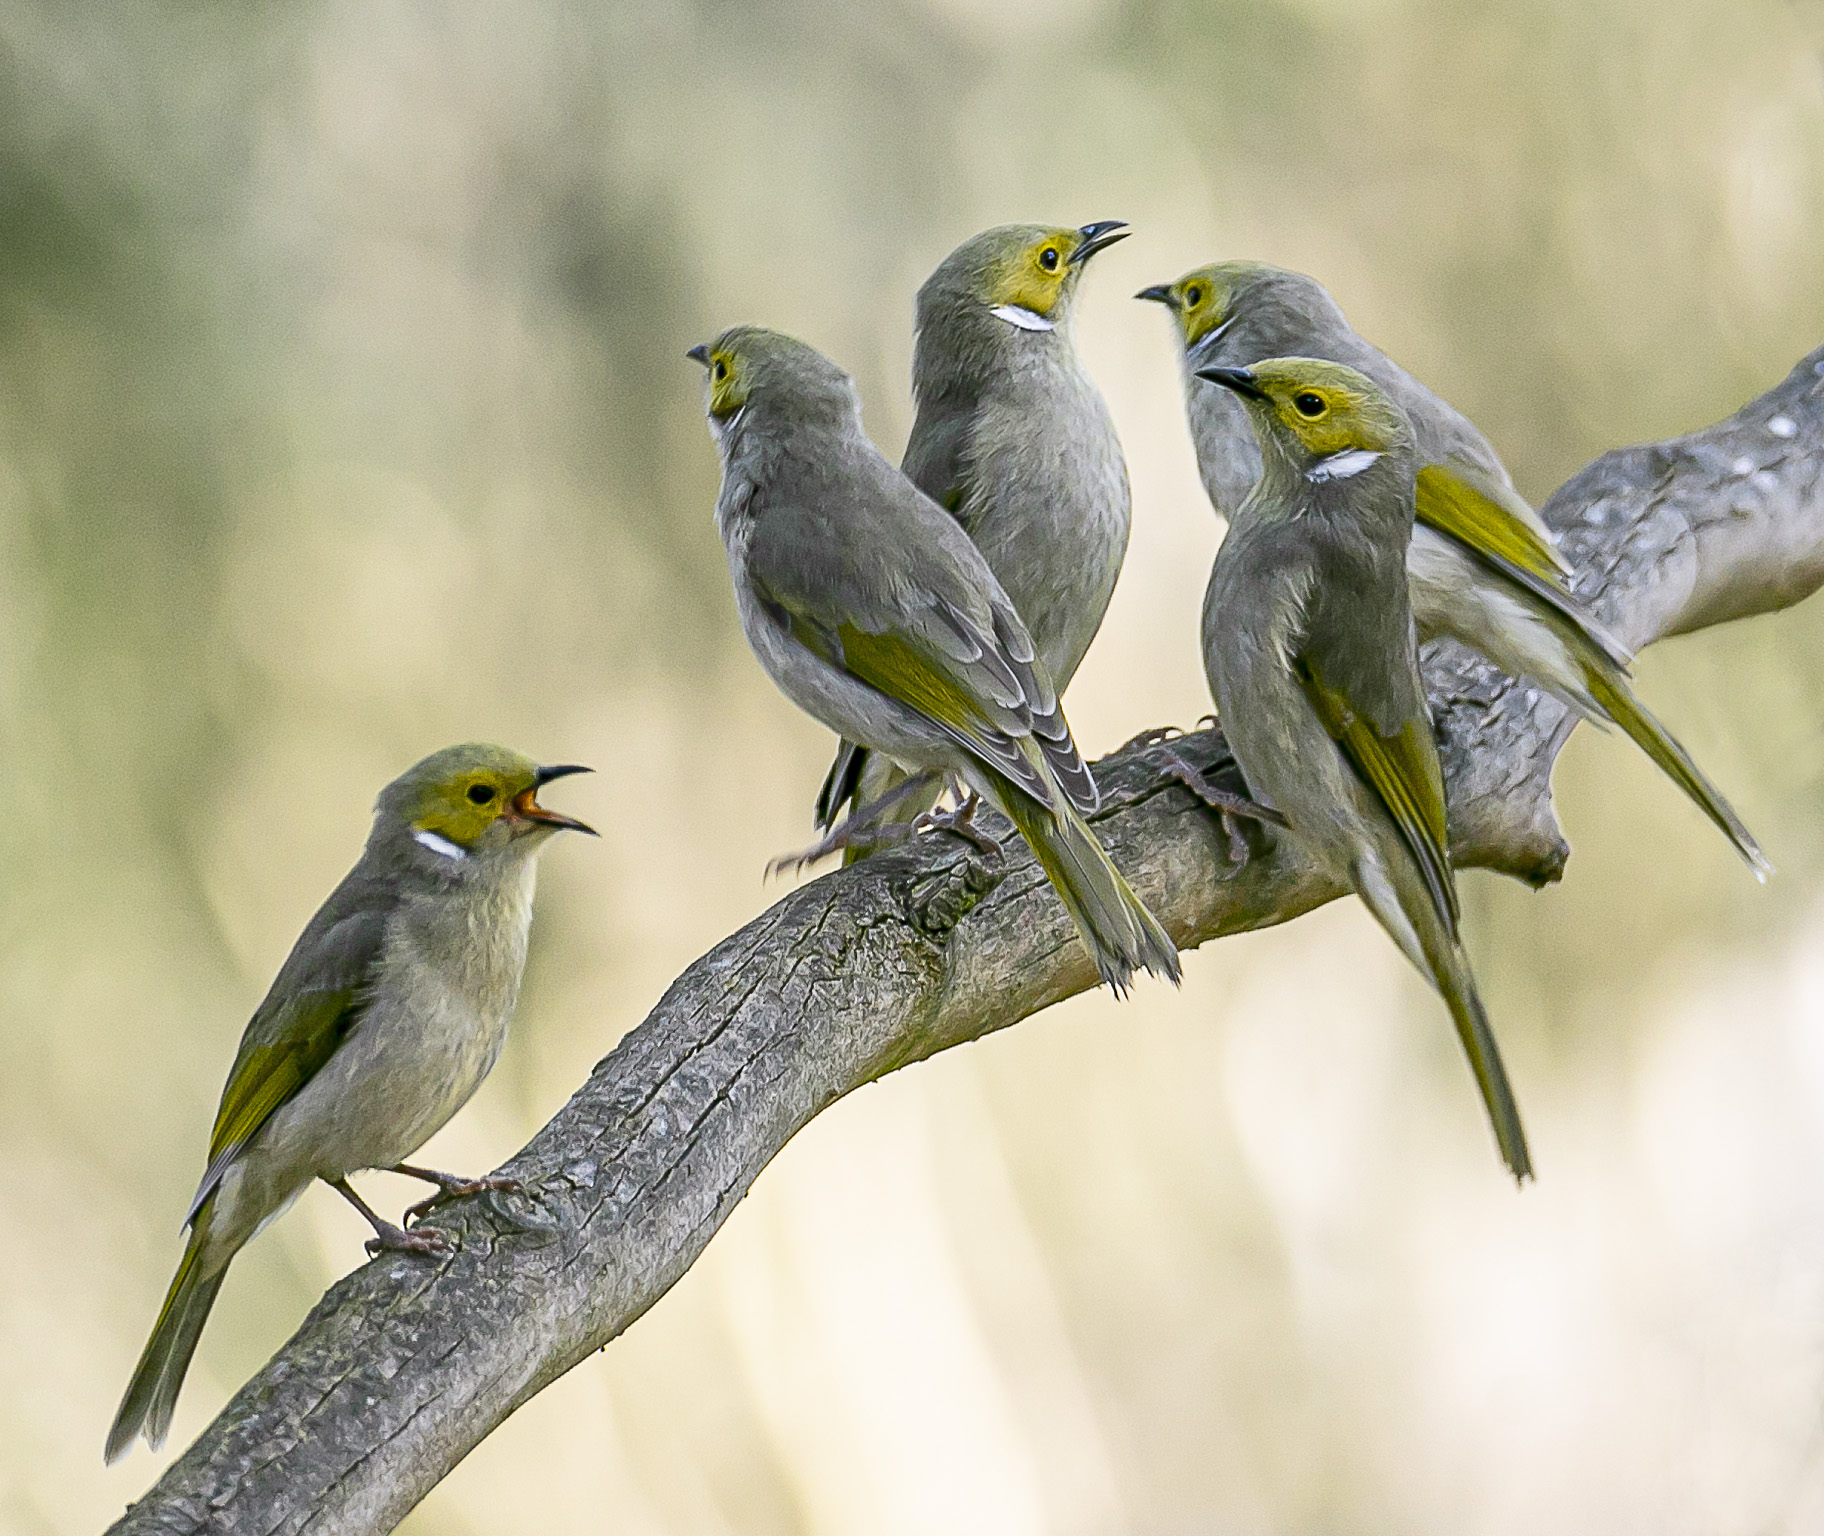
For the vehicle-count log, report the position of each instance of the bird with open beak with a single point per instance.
(384, 1019)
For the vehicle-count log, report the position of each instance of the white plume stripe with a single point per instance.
(1207, 341)
(1340, 466)
(439, 845)
(1019, 315)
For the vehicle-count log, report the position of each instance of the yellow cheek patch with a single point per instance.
(1201, 315)
(1024, 282)
(1329, 433)
(726, 392)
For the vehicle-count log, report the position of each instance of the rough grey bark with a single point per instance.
(409, 1362)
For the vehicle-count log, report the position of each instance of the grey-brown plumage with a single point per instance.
(873, 611)
(1482, 566)
(1013, 438)
(389, 1011)
(1310, 652)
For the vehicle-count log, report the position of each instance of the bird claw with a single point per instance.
(449, 1187)
(960, 821)
(1151, 737)
(845, 837)
(390, 1239)
(1230, 808)
(864, 829)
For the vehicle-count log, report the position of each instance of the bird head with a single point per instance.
(474, 800)
(1329, 420)
(1024, 275)
(748, 368)
(1251, 310)
(1200, 301)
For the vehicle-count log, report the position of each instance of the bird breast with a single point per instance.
(446, 987)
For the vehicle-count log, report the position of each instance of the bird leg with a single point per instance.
(451, 1186)
(1227, 805)
(961, 821)
(858, 831)
(387, 1238)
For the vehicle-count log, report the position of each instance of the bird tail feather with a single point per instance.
(1609, 687)
(1458, 989)
(1121, 935)
(841, 784)
(151, 1395)
(1423, 927)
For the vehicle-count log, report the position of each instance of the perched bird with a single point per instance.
(1308, 645)
(1483, 567)
(871, 609)
(381, 1024)
(1013, 439)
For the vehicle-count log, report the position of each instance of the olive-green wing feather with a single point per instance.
(906, 671)
(1485, 510)
(934, 461)
(1490, 519)
(1402, 770)
(895, 566)
(315, 1001)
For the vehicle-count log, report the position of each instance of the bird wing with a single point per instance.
(317, 998)
(1490, 518)
(1467, 502)
(976, 701)
(1400, 766)
(940, 637)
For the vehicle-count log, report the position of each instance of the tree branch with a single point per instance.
(409, 1362)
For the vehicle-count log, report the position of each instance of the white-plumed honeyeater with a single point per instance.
(383, 1021)
(1308, 644)
(1482, 565)
(1013, 439)
(873, 612)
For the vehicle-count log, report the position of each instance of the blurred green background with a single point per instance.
(343, 414)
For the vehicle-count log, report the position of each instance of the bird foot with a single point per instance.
(960, 821)
(390, 1239)
(853, 833)
(1230, 808)
(1151, 737)
(452, 1186)
(864, 830)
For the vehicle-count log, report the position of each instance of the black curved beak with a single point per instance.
(697, 354)
(543, 776)
(1241, 380)
(1098, 237)
(1159, 293)
(526, 805)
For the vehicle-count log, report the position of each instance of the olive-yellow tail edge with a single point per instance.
(1614, 695)
(1121, 934)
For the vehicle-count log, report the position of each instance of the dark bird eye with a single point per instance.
(481, 794)
(720, 370)
(1308, 404)
(1193, 296)
(1048, 259)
